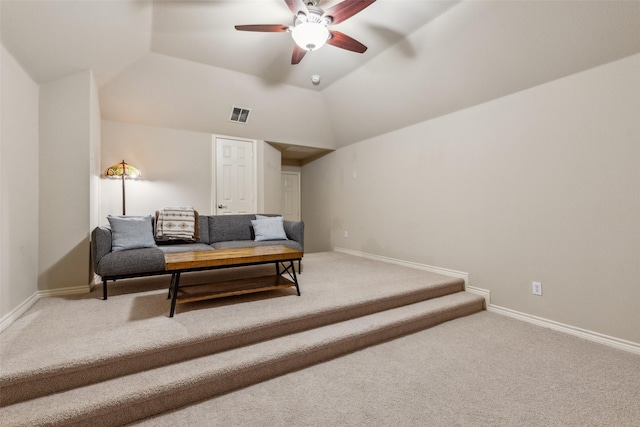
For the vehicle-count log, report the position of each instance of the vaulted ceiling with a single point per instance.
(181, 64)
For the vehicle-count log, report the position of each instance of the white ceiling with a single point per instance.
(53, 38)
(181, 64)
(204, 32)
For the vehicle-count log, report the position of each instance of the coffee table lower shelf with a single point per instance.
(192, 293)
(281, 256)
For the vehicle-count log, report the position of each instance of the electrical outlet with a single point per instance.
(346, 234)
(536, 288)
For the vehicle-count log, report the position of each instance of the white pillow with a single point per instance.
(131, 232)
(269, 228)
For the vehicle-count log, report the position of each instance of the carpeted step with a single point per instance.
(140, 395)
(95, 361)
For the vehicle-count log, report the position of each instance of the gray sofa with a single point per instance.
(215, 232)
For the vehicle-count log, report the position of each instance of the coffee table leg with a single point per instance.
(295, 278)
(176, 284)
(173, 278)
(290, 270)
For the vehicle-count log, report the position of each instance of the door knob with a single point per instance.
(221, 206)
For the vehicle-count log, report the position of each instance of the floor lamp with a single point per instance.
(123, 171)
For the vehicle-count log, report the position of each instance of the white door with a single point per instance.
(290, 184)
(235, 186)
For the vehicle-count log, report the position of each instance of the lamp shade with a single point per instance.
(123, 169)
(310, 35)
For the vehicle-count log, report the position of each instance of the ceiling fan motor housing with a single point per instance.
(315, 16)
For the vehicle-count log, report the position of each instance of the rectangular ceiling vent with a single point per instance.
(239, 115)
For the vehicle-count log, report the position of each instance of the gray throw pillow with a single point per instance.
(131, 232)
(270, 228)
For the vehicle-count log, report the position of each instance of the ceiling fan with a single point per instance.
(310, 26)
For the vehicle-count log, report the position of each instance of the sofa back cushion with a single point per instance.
(224, 228)
(203, 225)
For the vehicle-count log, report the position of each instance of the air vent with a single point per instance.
(239, 115)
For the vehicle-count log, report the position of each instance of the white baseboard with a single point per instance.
(97, 281)
(74, 290)
(486, 294)
(444, 271)
(568, 329)
(15, 314)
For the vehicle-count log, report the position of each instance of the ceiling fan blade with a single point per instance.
(343, 41)
(297, 6)
(346, 10)
(276, 28)
(298, 54)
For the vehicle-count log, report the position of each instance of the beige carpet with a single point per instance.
(59, 332)
(479, 370)
(279, 359)
(135, 362)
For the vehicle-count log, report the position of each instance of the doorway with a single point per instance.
(235, 178)
(290, 187)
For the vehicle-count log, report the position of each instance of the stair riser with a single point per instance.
(216, 385)
(18, 390)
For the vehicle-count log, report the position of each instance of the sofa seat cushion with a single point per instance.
(132, 261)
(185, 247)
(234, 244)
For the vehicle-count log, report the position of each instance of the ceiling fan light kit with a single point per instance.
(310, 30)
(310, 35)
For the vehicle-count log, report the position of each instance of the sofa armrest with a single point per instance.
(295, 231)
(100, 244)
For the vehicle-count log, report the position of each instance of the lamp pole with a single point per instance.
(124, 171)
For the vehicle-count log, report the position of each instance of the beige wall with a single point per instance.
(541, 185)
(175, 166)
(159, 90)
(269, 170)
(66, 138)
(95, 131)
(18, 184)
(177, 170)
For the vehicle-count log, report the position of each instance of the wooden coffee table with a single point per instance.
(182, 262)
